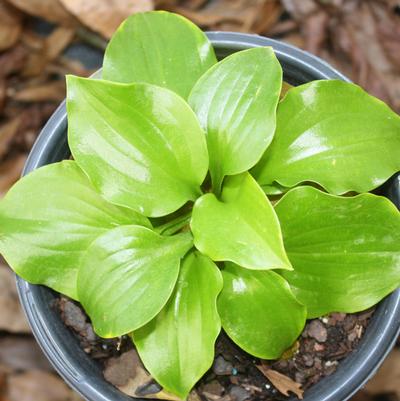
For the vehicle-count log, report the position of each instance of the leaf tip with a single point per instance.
(70, 78)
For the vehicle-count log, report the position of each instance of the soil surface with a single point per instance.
(235, 375)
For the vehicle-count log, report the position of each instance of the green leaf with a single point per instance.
(158, 48)
(140, 144)
(345, 251)
(127, 276)
(47, 221)
(240, 227)
(177, 347)
(274, 189)
(335, 134)
(259, 312)
(236, 102)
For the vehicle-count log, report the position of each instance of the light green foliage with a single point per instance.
(127, 276)
(345, 251)
(138, 143)
(335, 134)
(259, 311)
(178, 345)
(49, 218)
(158, 48)
(235, 102)
(243, 215)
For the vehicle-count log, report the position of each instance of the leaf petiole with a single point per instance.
(173, 226)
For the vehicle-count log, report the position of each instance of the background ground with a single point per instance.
(42, 40)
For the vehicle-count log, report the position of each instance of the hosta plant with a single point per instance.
(161, 225)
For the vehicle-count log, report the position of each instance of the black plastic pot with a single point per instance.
(84, 375)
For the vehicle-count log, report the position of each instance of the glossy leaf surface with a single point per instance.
(259, 312)
(141, 145)
(235, 102)
(127, 276)
(49, 218)
(345, 251)
(335, 134)
(241, 227)
(177, 347)
(159, 48)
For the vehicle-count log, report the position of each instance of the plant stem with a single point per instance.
(216, 180)
(173, 226)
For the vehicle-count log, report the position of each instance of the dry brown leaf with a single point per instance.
(254, 10)
(3, 383)
(12, 318)
(35, 65)
(10, 26)
(282, 383)
(51, 91)
(36, 385)
(315, 30)
(104, 16)
(313, 21)
(47, 49)
(283, 28)
(189, 4)
(22, 353)
(168, 5)
(363, 396)
(10, 171)
(300, 9)
(32, 39)
(238, 15)
(7, 132)
(3, 93)
(50, 10)
(295, 39)
(32, 118)
(361, 38)
(388, 377)
(12, 61)
(91, 38)
(57, 41)
(205, 18)
(361, 42)
(267, 17)
(128, 374)
(70, 66)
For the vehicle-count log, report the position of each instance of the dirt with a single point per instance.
(235, 375)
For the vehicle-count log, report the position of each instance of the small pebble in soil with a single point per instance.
(308, 360)
(317, 330)
(74, 316)
(221, 366)
(319, 347)
(213, 388)
(335, 318)
(238, 393)
(148, 388)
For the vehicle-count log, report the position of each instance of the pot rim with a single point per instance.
(352, 373)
